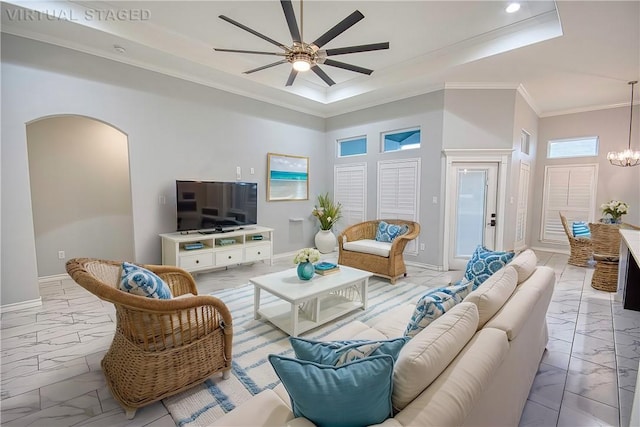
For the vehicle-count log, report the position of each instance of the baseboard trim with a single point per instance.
(21, 305)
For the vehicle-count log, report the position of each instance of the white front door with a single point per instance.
(473, 195)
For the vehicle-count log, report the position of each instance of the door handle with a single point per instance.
(492, 223)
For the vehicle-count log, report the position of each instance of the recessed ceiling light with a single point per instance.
(513, 7)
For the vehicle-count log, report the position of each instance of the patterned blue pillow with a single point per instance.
(140, 281)
(354, 394)
(387, 232)
(581, 229)
(484, 263)
(338, 353)
(434, 304)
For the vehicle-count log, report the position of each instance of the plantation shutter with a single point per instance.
(350, 190)
(523, 201)
(398, 193)
(570, 190)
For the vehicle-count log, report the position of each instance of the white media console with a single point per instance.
(249, 244)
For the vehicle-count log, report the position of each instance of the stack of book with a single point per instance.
(323, 268)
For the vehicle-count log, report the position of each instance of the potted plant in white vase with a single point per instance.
(613, 211)
(328, 213)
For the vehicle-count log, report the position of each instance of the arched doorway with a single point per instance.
(80, 191)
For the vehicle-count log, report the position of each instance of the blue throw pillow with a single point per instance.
(434, 304)
(581, 229)
(355, 394)
(338, 353)
(484, 263)
(140, 281)
(387, 232)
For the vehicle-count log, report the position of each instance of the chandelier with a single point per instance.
(626, 157)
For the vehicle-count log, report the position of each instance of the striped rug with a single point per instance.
(254, 339)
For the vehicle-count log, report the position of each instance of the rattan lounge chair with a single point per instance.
(606, 253)
(391, 267)
(581, 249)
(161, 346)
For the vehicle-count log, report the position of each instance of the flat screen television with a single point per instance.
(211, 206)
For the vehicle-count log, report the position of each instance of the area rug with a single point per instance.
(254, 340)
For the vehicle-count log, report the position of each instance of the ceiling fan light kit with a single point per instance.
(628, 157)
(307, 56)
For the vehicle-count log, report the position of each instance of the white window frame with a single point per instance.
(347, 193)
(525, 142)
(571, 208)
(383, 134)
(595, 139)
(403, 193)
(353, 138)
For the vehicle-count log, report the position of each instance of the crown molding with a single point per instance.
(481, 85)
(585, 109)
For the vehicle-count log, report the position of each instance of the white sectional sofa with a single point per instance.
(473, 366)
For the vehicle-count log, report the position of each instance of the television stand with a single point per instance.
(219, 248)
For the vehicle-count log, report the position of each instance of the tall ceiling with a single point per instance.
(564, 56)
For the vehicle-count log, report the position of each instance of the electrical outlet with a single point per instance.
(422, 247)
(61, 255)
(434, 200)
(252, 171)
(238, 172)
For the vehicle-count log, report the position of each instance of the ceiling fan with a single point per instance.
(304, 56)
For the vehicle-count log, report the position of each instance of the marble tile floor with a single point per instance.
(50, 355)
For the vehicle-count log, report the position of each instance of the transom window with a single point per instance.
(572, 147)
(397, 140)
(352, 146)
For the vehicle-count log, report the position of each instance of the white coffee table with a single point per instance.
(303, 305)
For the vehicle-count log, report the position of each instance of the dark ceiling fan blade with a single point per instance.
(357, 49)
(273, 64)
(323, 75)
(339, 28)
(254, 32)
(290, 16)
(257, 52)
(292, 77)
(349, 67)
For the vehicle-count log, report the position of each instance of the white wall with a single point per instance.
(424, 111)
(176, 130)
(80, 191)
(612, 127)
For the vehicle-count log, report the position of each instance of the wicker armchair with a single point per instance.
(581, 249)
(392, 267)
(606, 253)
(160, 347)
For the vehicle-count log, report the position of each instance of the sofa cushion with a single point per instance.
(581, 229)
(394, 323)
(354, 394)
(355, 330)
(525, 263)
(423, 358)
(368, 246)
(484, 263)
(140, 281)
(265, 409)
(338, 353)
(493, 293)
(388, 232)
(434, 304)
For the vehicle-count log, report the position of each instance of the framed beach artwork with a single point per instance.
(288, 177)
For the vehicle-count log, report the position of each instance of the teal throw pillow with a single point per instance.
(484, 263)
(434, 304)
(388, 232)
(581, 229)
(338, 353)
(140, 281)
(355, 394)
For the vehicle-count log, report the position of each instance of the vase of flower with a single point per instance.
(328, 213)
(613, 211)
(305, 270)
(305, 259)
(325, 241)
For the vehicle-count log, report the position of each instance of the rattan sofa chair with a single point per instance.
(161, 346)
(581, 248)
(606, 253)
(391, 267)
